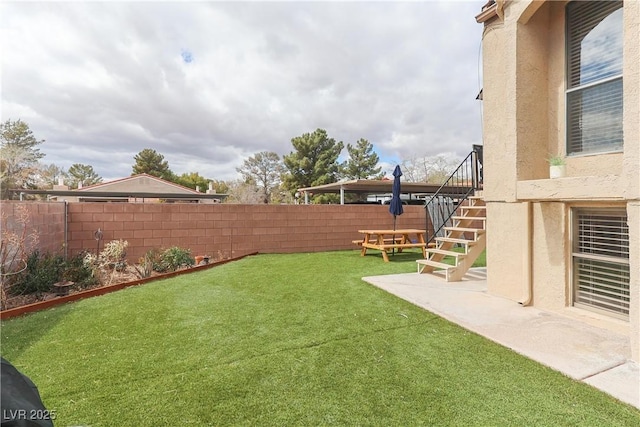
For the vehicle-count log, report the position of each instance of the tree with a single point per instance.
(193, 180)
(414, 169)
(362, 162)
(13, 173)
(244, 192)
(315, 161)
(79, 173)
(220, 187)
(19, 156)
(440, 167)
(434, 170)
(265, 170)
(281, 195)
(151, 162)
(49, 175)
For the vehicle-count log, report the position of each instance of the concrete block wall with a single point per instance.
(44, 219)
(228, 229)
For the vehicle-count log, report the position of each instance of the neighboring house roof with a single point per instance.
(142, 186)
(140, 183)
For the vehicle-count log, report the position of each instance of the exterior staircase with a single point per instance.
(457, 214)
(468, 230)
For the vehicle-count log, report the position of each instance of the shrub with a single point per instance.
(112, 257)
(148, 263)
(114, 253)
(42, 271)
(15, 237)
(173, 258)
(76, 270)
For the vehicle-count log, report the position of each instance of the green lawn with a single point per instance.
(480, 262)
(285, 340)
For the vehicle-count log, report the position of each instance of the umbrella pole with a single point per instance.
(393, 248)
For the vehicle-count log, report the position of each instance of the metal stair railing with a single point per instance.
(444, 203)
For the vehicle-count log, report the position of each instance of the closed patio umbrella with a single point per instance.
(395, 207)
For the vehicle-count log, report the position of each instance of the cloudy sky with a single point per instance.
(208, 84)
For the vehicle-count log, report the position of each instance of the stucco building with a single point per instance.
(563, 78)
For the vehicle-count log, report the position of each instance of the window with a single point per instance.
(601, 260)
(594, 76)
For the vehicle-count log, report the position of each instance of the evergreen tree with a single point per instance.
(362, 162)
(152, 163)
(315, 161)
(79, 173)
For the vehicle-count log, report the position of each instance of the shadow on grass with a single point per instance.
(20, 333)
(403, 256)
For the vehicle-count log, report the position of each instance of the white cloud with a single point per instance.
(102, 81)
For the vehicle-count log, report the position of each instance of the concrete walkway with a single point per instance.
(597, 356)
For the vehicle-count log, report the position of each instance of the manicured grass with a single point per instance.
(285, 340)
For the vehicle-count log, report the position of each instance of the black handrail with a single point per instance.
(444, 203)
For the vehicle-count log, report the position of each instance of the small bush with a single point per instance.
(148, 263)
(174, 258)
(76, 270)
(43, 270)
(114, 254)
(110, 260)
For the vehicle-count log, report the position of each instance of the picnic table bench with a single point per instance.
(359, 242)
(385, 240)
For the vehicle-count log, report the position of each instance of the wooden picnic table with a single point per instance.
(384, 240)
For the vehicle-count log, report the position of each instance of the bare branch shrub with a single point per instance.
(15, 241)
(109, 262)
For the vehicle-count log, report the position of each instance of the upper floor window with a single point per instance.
(594, 76)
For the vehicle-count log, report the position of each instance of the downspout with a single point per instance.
(341, 194)
(66, 229)
(528, 256)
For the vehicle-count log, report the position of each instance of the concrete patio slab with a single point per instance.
(584, 352)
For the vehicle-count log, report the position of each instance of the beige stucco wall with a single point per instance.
(507, 274)
(549, 260)
(528, 226)
(631, 160)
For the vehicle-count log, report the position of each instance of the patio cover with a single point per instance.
(369, 186)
